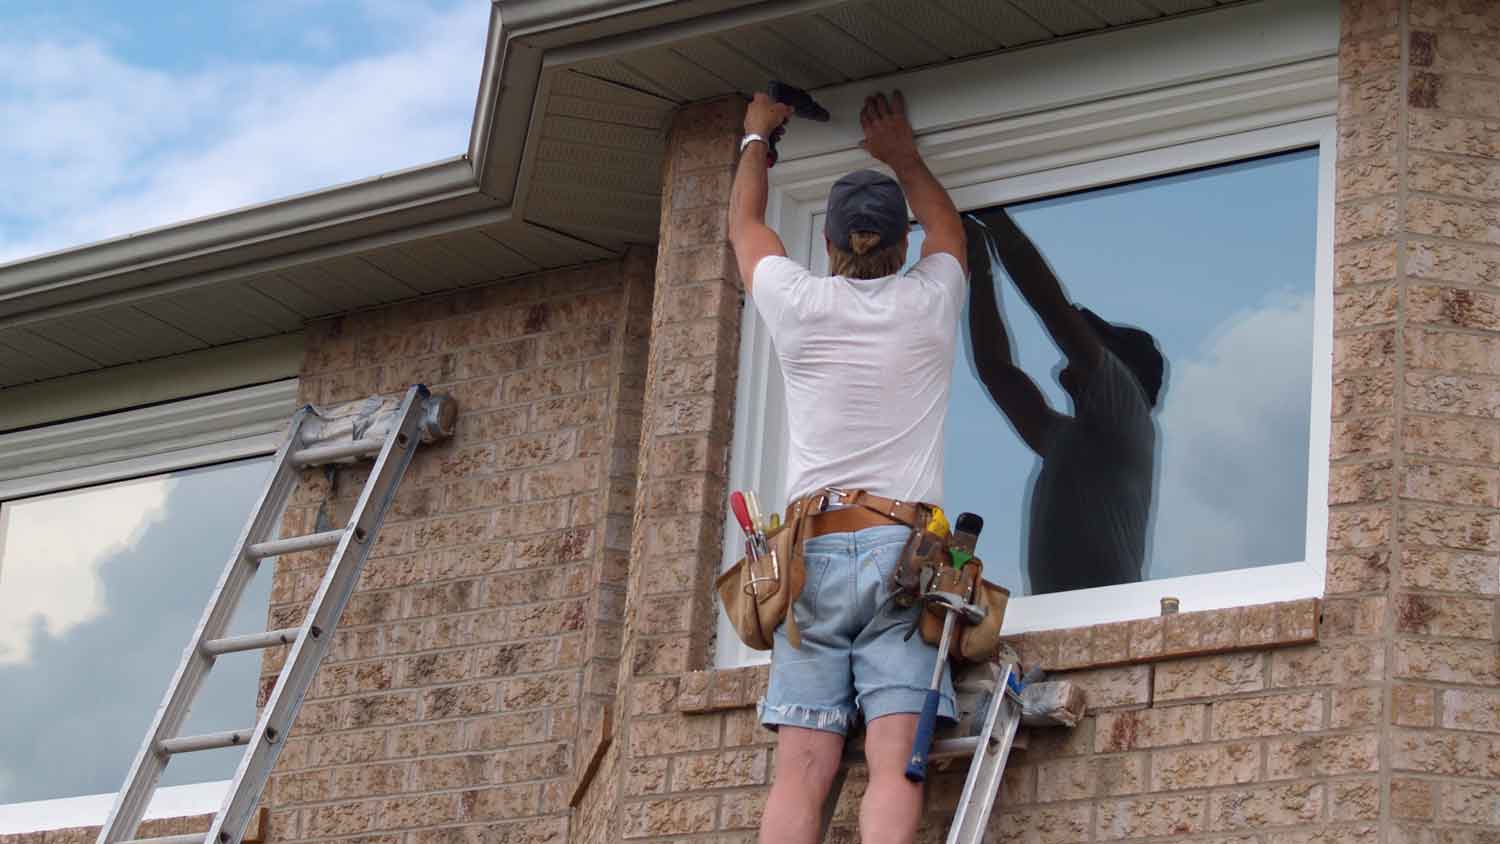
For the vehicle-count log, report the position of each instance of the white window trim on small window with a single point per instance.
(232, 425)
(1119, 107)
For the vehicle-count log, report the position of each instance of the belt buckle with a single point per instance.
(830, 493)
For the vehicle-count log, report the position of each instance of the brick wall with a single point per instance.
(1384, 729)
(470, 675)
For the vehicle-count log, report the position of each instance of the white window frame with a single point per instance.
(183, 434)
(1108, 109)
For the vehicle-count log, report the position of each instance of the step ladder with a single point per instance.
(991, 735)
(389, 437)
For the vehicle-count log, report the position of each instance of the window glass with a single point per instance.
(1218, 267)
(100, 591)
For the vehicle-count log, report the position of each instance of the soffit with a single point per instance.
(563, 168)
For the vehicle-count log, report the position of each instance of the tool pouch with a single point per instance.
(925, 551)
(972, 642)
(758, 597)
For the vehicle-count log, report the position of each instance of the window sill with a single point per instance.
(1172, 636)
(1095, 646)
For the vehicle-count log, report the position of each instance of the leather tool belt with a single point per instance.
(759, 601)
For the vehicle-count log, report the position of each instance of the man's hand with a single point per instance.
(888, 135)
(764, 115)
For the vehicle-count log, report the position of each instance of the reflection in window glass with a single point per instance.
(100, 590)
(1218, 267)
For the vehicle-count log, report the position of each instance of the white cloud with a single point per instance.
(96, 147)
(51, 555)
(1234, 447)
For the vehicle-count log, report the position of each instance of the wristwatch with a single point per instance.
(752, 137)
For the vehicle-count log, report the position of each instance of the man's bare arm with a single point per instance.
(751, 238)
(1011, 388)
(889, 138)
(1039, 285)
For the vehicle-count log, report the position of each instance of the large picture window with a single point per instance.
(1196, 207)
(1218, 267)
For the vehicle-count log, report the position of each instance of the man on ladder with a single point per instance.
(867, 355)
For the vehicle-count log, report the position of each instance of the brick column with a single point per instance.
(667, 772)
(1419, 210)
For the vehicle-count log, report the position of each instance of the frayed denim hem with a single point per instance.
(826, 718)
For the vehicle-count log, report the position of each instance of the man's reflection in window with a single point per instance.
(1091, 503)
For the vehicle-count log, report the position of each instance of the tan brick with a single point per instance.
(1210, 676)
(1326, 835)
(1355, 799)
(1446, 660)
(1466, 95)
(1363, 393)
(1267, 715)
(1455, 754)
(1345, 618)
(1338, 664)
(1413, 799)
(504, 803)
(1095, 776)
(1045, 825)
(723, 769)
(1450, 571)
(1110, 687)
(1470, 803)
(1454, 219)
(1319, 756)
(1358, 528)
(1360, 483)
(645, 776)
(1147, 728)
(1197, 767)
(1358, 571)
(673, 734)
(1370, 54)
(1355, 708)
(1467, 618)
(1465, 395)
(1470, 709)
(341, 818)
(669, 816)
(534, 761)
(1141, 817)
(1414, 706)
(1266, 806)
(1359, 307)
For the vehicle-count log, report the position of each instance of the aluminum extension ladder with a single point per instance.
(988, 749)
(420, 417)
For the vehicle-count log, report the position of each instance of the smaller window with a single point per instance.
(100, 589)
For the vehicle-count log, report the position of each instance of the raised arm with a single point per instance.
(751, 238)
(1011, 388)
(888, 138)
(1029, 270)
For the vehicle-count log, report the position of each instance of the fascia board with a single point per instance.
(329, 207)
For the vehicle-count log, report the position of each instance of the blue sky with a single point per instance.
(125, 116)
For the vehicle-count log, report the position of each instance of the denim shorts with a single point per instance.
(854, 661)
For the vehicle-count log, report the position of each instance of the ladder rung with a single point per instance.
(950, 748)
(260, 550)
(188, 838)
(207, 741)
(251, 641)
(317, 454)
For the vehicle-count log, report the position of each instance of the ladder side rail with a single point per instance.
(982, 785)
(323, 613)
(145, 771)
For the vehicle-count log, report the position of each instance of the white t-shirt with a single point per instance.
(868, 365)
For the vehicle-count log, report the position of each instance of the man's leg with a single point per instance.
(892, 804)
(806, 761)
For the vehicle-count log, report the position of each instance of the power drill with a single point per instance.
(803, 105)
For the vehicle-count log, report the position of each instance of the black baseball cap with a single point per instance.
(866, 201)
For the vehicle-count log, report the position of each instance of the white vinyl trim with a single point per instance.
(1153, 100)
(178, 801)
(191, 432)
